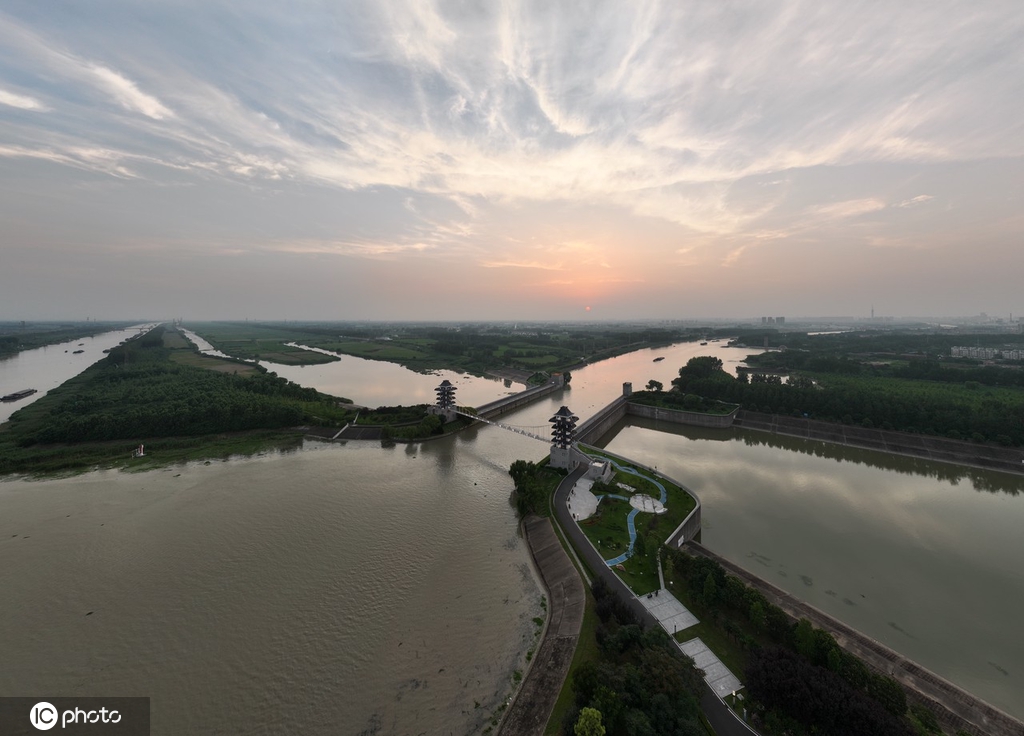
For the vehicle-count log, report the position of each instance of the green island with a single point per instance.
(631, 679)
(259, 342)
(521, 351)
(156, 391)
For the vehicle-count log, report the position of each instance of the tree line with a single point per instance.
(800, 678)
(642, 685)
(891, 404)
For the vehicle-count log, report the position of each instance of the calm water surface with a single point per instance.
(924, 557)
(341, 589)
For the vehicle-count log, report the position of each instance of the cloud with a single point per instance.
(851, 208)
(919, 199)
(128, 94)
(22, 102)
(522, 264)
(373, 250)
(732, 128)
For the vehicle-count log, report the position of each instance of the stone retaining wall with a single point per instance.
(677, 416)
(1007, 459)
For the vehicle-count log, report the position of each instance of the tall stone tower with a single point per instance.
(563, 433)
(445, 406)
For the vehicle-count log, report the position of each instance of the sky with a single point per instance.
(510, 160)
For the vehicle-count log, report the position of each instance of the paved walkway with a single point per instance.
(645, 504)
(669, 612)
(581, 502)
(716, 674)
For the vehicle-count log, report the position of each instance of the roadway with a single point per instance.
(721, 718)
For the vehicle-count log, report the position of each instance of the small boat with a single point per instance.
(18, 395)
(703, 343)
(76, 352)
(660, 358)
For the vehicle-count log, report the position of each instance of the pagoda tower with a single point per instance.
(563, 433)
(445, 406)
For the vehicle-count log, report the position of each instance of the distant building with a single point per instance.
(963, 351)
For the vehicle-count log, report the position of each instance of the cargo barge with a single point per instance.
(18, 395)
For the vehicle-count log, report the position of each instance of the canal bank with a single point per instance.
(928, 447)
(955, 708)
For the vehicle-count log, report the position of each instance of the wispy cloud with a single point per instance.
(913, 201)
(522, 264)
(22, 102)
(128, 94)
(850, 208)
(726, 131)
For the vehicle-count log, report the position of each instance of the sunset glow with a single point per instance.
(676, 160)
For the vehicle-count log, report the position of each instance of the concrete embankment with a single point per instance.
(955, 708)
(990, 457)
(529, 713)
(604, 420)
(508, 403)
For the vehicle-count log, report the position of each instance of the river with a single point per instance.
(354, 589)
(48, 367)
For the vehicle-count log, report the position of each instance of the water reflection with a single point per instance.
(991, 481)
(914, 558)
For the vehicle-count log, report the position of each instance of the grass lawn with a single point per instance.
(608, 532)
(198, 360)
(606, 529)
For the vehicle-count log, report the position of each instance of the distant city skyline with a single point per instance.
(442, 161)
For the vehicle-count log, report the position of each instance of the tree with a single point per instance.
(589, 723)
(757, 616)
(640, 546)
(710, 590)
(653, 385)
(803, 638)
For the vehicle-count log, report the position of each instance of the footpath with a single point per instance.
(529, 713)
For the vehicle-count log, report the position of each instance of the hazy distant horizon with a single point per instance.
(381, 160)
(880, 321)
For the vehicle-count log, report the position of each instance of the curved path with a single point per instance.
(717, 712)
(631, 519)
